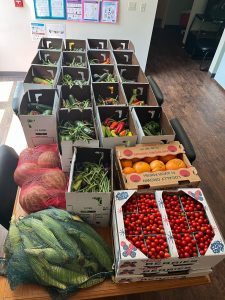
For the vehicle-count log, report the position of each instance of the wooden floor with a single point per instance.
(199, 103)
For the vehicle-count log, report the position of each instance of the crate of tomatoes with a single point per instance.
(155, 166)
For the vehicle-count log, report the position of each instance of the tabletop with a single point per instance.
(103, 290)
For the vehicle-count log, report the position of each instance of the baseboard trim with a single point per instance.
(12, 74)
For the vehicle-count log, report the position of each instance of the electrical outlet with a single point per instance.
(143, 7)
(132, 6)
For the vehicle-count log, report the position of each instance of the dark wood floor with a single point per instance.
(196, 99)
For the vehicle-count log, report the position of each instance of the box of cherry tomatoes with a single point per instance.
(155, 166)
(164, 233)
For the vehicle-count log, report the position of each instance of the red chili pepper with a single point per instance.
(108, 122)
(113, 125)
(120, 127)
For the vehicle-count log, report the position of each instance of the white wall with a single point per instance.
(174, 10)
(218, 55)
(17, 49)
(197, 8)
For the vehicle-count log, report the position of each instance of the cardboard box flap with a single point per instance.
(98, 44)
(122, 44)
(70, 58)
(51, 44)
(125, 58)
(141, 151)
(75, 45)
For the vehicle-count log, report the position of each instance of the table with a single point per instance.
(105, 289)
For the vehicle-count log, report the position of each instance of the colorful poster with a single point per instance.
(56, 30)
(37, 30)
(91, 10)
(109, 11)
(58, 9)
(42, 8)
(74, 10)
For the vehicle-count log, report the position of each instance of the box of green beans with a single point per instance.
(91, 185)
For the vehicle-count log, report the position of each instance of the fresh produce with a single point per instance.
(56, 249)
(107, 100)
(33, 197)
(144, 227)
(77, 130)
(48, 159)
(54, 179)
(152, 164)
(68, 80)
(91, 177)
(39, 109)
(48, 62)
(73, 48)
(39, 80)
(98, 61)
(175, 164)
(22, 172)
(135, 100)
(113, 128)
(72, 102)
(76, 64)
(105, 77)
(190, 226)
(152, 128)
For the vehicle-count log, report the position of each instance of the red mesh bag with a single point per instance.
(42, 156)
(45, 188)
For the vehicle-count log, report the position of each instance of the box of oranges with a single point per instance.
(155, 166)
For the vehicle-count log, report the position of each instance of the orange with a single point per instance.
(157, 165)
(126, 163)
(128, 170)
(150, 159)
(166, 158)
(141, 167)
(175, 164)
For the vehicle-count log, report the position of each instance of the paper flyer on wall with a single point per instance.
(74, 10)
(58, 9)
(91, 10)
(42, 8)
(109, 12)
(56, 30)
(37, 30)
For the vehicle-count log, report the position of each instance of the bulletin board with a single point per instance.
(100, 11)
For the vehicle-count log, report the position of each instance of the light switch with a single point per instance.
(132, 6)
(143, 7)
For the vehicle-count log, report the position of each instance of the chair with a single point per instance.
(208, 47)
(156, 90)
(8, 188)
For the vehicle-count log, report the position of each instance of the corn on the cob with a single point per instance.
(91, 282)
(63, 237)
(42, 274)
(14, 236)
(98, 252)
(51, 255)
(44, 233)
(64, 275)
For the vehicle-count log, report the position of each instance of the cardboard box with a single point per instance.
(98, 44)
(80, 93)
(39, 129)
(123, 112)
(108, 90)
(45, 72)
(181, 275)
(131, 74)
(125, 58)
(144, 92)
(67, 147)
(100, 56)
(54, 44)
(75, 73)
(94, 208)
(69, 59)
(183, 177)
(127, 256)
(46, 57)
(75, 45)
(121, 45)
(101, 69)
(216, 249)
(143, 115)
